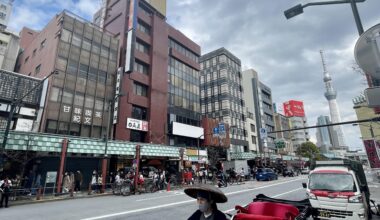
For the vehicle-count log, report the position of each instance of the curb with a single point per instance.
(34, 201)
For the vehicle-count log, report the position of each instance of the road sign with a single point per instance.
(263, 133)
(222, 129)
(215, 130)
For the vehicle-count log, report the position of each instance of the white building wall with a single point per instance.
(250, 108)
(9, 48)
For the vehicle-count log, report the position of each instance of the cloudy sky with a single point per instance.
(284, 52)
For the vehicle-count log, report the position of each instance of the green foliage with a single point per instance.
(310, 150)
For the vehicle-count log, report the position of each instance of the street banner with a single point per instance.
(372, 149)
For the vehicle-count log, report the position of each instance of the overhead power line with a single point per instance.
(328, 125)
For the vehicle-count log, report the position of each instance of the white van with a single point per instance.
(338, 190)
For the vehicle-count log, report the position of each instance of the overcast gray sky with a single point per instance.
(284, 52)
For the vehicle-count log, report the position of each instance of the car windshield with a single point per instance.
(336, 182)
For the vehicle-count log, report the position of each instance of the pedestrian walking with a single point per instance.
(66, 183)
(94, 181)
(5, 189)
(78, 181)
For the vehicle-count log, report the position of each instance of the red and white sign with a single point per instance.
(135, 124)
(294, 108)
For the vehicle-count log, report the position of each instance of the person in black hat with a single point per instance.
(207, 196)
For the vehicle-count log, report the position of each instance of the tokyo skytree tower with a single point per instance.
(330, 95)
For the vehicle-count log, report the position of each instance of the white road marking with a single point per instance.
(181, 202)
(275, 196)
(159, 197)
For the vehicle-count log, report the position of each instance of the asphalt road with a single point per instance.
(157, 206)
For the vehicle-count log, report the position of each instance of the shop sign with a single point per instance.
(135, 124)
(81, 116)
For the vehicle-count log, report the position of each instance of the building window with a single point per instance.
(142, 47)
(141, 26)
(55, 94)
(51, 126)
(34, 52)
(253, 128)
(43, 44)
(145, 10)
(137, 136)
(140, 89)
(37, 70)
(139, 113)
(26, 60)
(141, 67)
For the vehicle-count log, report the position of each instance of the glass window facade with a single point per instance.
(86, 61)
(188, 53)
(183, 86)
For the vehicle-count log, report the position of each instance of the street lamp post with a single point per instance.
(105, 162)
(14, 104)
(298, 9)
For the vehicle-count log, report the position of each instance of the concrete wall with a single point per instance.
(250, 105)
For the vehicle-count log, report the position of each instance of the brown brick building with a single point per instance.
(160, 79)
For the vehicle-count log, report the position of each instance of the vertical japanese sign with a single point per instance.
(132, 24)
(117, 93)
(372, 149)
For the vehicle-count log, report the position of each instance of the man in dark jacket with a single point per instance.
(207, 196)
(78, 181)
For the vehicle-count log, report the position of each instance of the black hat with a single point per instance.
(216, 194)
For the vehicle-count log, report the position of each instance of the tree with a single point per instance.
(310, 150)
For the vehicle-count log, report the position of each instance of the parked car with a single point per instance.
(266, 174)
(305, 170)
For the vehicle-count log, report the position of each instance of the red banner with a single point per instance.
(371, 148)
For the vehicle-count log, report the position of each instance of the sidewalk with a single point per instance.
(84, 194)
(50, 197)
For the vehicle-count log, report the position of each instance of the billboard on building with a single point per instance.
(372, 149)
(187, 130)
(294, 108)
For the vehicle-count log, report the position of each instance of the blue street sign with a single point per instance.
(216, 130)
(263, 133)
(222, 128)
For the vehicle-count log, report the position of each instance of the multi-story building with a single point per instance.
(9, 49)
(264, 114)
(5, 13)
(85, 57)
(283, 139)
(294, 110)
(160, 78)
(222, 94)
(250, 104)
(370, 131)
(327, 138)
(9, 41)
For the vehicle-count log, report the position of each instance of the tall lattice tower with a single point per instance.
(330, 95)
